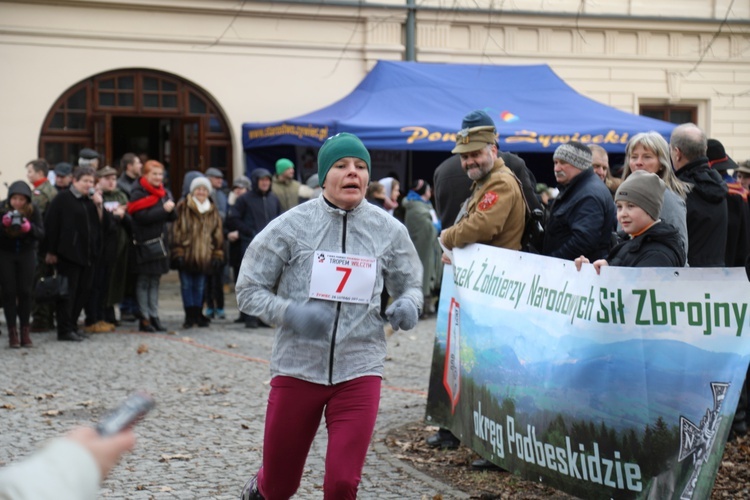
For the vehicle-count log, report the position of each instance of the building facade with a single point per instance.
(175, 79)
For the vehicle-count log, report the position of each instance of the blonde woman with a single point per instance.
(649, 151)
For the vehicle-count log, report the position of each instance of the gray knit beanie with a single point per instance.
(574, 153)
(645, 190)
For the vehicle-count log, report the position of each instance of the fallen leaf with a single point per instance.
(231, 346)
(41, 397)
(187, 339)
(165, 488)
(215, 417)
(51, 413)
(142, 348)
(9, 392)
(245, 426)
(179, 456)
(86, 404)
(8, 406)
(171, 332)
(182, 389)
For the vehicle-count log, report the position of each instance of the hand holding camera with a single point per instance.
(15, 220)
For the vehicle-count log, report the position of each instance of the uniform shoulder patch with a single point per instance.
(487, 201)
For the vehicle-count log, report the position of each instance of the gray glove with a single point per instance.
(311, 319)
(402, 314)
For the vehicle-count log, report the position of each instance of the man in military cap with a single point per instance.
(87, 157)
(495, 213)
(63, 175)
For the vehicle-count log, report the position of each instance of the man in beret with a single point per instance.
(582, 218)
(87, 157)
(285, 186)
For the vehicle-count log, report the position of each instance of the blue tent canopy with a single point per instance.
(419, 107)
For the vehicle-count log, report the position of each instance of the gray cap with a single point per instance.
(63, 168)
(242, 182)
(214, 172)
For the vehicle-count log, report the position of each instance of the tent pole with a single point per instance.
(409, 170)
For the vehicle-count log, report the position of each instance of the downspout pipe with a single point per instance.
(411, 15)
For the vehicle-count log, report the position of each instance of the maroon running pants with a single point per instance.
(293, 416)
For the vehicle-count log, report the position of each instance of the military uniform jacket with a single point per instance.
(495, 213)
(42, 195)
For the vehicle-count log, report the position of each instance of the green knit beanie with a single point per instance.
(337, 147)
(282, 165)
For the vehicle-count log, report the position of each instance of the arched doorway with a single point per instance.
(142, 111)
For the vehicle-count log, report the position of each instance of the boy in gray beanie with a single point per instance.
(650, 242)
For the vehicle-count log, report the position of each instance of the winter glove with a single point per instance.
(6, 219)
(402, 314)
(25, 226)
(217, 264)
(311, 319)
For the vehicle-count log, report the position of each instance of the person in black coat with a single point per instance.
(649, 242)
(707, 214)
(74, 224)
(251, 213)
(151, 206)
(20, 233)
(582, 217)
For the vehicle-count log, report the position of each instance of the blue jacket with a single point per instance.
(582, 220)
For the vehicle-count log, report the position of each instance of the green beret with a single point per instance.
(339, 146)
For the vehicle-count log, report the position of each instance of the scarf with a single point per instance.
(155, 194)
(40, 182)
(202, 207)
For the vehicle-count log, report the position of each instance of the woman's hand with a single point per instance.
(105, 450)
(169, 205)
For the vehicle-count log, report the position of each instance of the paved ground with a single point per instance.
(211, 384)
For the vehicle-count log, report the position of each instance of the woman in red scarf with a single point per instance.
(151, 207)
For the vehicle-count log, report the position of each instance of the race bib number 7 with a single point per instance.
(342, 277)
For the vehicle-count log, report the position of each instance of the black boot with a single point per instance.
(200, 319)
(144, 325)
(69, 337)
(189, 318)
(251, 322)
(156, 323)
